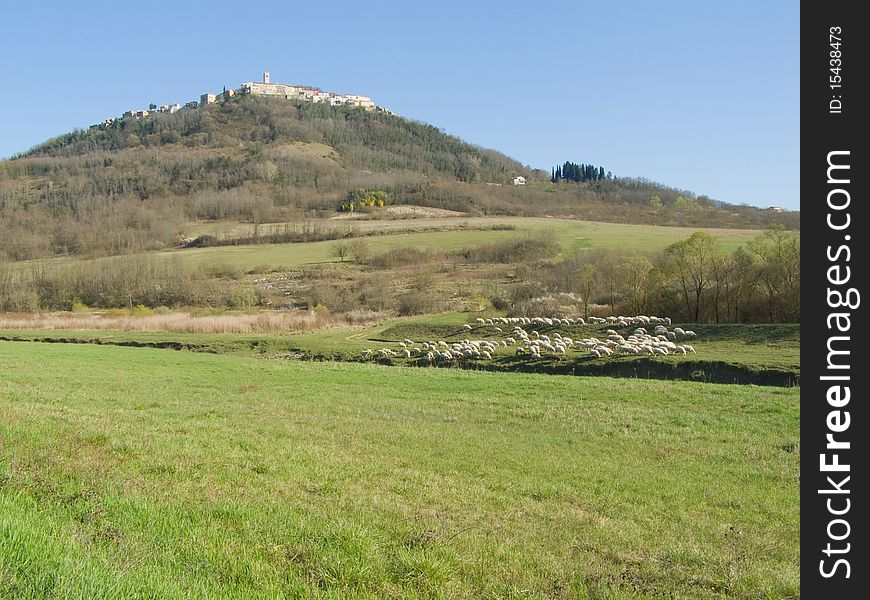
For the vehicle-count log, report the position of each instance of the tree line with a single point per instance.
(582, 172)
(692, 280)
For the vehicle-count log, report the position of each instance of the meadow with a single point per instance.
(570, 234)
(161, 474)
(730, 353)
(449, 234)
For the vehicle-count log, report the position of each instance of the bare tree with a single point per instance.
(691, 264)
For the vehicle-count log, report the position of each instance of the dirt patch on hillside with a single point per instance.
(309, 150)
(401, 211)
(423, 211)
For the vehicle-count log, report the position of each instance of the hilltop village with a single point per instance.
(303, 93)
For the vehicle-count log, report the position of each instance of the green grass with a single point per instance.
(570, 234)
(771, 351)
(173, 474)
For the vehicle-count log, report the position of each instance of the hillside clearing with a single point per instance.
(570, 233)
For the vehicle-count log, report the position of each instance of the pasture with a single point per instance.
(571, 234)
(452, 233)
(752, 350)
(153, 473)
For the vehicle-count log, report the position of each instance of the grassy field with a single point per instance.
(571, 235)
(754, 348)
(157, 474)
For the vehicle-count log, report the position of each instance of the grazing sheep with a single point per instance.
(534, 344)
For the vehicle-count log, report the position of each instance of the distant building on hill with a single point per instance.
(303, 93)
(518, 180)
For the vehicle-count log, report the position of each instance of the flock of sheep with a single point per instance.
(533, 344)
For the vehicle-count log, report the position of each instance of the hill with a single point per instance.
(136, 184)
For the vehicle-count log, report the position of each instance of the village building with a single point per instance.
(303, 93)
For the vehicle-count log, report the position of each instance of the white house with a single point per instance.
(518, 180)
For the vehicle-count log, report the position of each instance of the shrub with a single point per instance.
(525, 249)
(140, 310)
(359, 250)
(416, 302)
(361, 199)
(401, 257)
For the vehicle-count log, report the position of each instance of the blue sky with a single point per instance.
(697, 95)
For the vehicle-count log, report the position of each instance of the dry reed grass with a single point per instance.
(181, 322)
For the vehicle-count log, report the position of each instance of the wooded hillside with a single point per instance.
(134, 185)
